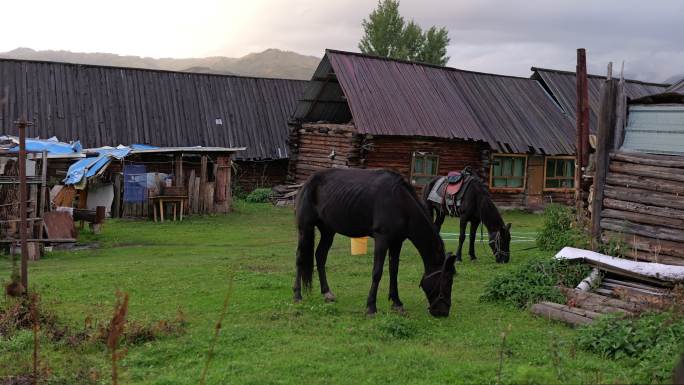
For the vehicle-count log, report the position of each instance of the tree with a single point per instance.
(387, 34)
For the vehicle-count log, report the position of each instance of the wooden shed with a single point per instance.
(424, 120)
(638, 198)
(107, 106)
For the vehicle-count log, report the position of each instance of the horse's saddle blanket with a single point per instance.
(449, 190)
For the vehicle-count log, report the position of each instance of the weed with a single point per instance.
(560, 230)
(535, 280)
(116, 328)
(217, 330)
(259, 195)
(397, 327)
(501, 353)
(650, 343)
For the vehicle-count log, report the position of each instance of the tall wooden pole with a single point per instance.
(22, 124)
(582, 129)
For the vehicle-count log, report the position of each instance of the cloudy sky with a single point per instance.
(501, 36)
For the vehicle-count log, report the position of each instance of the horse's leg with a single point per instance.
(394, 252)
(473, 236)
(439, 220)
(324, 244)
(305, 250)
(378, 263)
(461, 238)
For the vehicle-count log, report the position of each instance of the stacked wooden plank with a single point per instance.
(284, 195)
(613, 295)
(643, 206)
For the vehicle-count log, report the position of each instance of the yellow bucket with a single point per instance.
(359, 246)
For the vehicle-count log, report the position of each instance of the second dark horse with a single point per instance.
(476, 207)
(375, 203)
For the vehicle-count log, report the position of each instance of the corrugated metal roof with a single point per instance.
(563, 87)
(103, 106)
(394, 97)
(677, 87)
(657, 129)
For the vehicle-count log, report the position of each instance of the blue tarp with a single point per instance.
(91, 166)
(52, 147)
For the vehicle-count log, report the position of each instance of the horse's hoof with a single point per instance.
(370, 312)
(473, 258)
(297, 299)
(399, 309)
(329, 297)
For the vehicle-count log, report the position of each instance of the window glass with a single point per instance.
(508, 171)
(560, 173)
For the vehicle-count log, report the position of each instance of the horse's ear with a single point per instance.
(508, 227)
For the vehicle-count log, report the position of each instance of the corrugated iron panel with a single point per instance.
(563, 87)
(109, 106)
(392, 97)
(657, 129)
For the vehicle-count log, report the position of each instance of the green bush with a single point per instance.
(535, 281)
(559, 229)
(652, 343)
(259, 195)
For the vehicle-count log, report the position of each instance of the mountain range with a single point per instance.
(271, 63)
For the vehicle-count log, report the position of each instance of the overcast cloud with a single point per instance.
(491, 36)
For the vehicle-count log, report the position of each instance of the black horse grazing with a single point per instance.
(476, 206)
(376, 203)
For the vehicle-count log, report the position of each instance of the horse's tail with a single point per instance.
(305, 249)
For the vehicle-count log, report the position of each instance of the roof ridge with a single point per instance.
(141, 69)
(404, 61)
(535, 69)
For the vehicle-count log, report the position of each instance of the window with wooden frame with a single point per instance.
(424, 167)
(508, 171)
(560, 173)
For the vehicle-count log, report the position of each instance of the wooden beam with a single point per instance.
(605, 141)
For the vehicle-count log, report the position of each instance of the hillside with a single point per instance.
(269, 63)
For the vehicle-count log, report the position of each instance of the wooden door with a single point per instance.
(535, 182)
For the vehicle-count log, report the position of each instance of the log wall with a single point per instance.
(643, 206)
(317, 146)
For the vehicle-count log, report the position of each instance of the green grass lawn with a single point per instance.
(266, 339)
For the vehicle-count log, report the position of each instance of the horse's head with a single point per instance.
(437, 288)
(500, 242)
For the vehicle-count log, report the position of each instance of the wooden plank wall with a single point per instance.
(250, 175)
(107, 106)
(643, 206)
(395, 153)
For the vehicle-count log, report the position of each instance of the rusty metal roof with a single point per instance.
(563, 87)
(107, 106)
(393, 97)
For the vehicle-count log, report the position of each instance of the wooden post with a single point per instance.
(22, 124)
(178, 160)
(582, 129)
(620, 110)
(202, 184)
(604, 145)
(222, 192)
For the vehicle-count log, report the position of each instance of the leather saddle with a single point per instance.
(449, 190)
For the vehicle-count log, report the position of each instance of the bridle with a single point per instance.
(496, 242)
(440, 296)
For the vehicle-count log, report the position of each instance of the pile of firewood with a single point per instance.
(284, 195)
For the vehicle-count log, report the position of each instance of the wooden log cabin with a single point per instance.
(108, 106)
(638, 199)
(423, 120)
